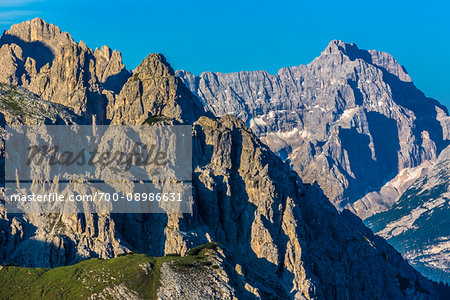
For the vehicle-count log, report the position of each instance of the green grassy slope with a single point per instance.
(138, 272)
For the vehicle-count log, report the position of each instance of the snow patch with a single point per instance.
(348, 113)
(319, 107)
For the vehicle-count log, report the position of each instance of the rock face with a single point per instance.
(418, 225)
(155, 91)
(287, 239)
(282, 238)
(249, 198)
(19, 106)
(194, 281)
(49, 63)
(347, 112)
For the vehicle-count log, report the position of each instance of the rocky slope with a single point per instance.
(348, 111)
(418, 225)
(281, 238)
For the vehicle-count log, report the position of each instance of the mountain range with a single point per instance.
(352, 122)
(348, 130)
(347, 112)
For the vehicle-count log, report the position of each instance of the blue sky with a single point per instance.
(227, 36)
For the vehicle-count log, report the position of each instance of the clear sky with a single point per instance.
(227, 36)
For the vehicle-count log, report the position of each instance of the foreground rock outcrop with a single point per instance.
(133, 276)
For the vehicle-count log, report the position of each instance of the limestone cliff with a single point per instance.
(153, 90)
(49, 63)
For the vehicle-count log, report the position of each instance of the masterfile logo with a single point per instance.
(102, 169)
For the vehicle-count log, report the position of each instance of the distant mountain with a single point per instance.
(279, 238)
(418, 225)
(351, 120)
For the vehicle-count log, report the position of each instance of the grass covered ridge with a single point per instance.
(137, 272)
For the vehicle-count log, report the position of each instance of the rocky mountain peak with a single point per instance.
(38, 31)
(152, 91)
(154, 64)
(382, 60)
(106, 53)
(47, 61)
(338, 46)
(348, 109)
(350, 50)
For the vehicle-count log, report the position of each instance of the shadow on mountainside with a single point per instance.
(144, 233)
(371, 169)
(116, 82)
(37, 50)
(15, 246)
(231, 217)
(424, 108)
(409, 96)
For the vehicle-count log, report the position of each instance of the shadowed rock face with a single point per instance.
(351, 120)
(282, 238)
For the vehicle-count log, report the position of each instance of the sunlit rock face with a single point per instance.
(49, 63)
(153, 90)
